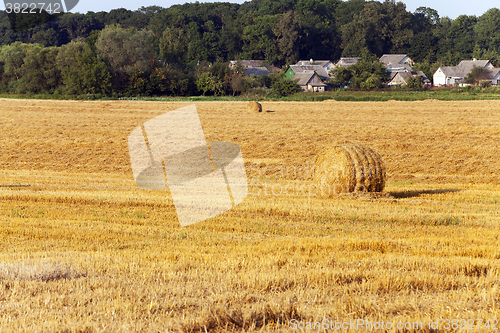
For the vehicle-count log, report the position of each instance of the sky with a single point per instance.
(450, 8)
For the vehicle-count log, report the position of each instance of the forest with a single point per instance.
(184, 50)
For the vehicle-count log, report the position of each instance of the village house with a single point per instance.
(346, 62)
(400, 78)
(311, 77)
(399, 69)
(493, 75)
(396, 59)
(451, 75)
(310, 81)
(254, 67)
(292, 70)
(326, 64)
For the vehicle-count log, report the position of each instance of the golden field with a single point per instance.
(82, 249)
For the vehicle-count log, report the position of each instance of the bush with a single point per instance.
(485, 84)
(414, 82)
(372, 82)
(284, 87)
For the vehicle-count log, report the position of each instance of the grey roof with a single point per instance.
(346, 62)
(392, 58)
(391, 75)
(468, 65)
(318, 68)
(464, 68)
(253, 63)
(303, 77)
(315, 62)
(306, 77)
(397, 67)
(400, 77)
(257, 71)
(453, 71)
(422, 75)
(404, 75)
(489, 74)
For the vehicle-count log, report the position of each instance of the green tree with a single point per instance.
(430, 16)
(414, 82)
(39, 72)
(285, 87)
(368, 72)
(282, 86)
(82, 71)
(286, 33)
(379, 28)
(476, 75)
(125, 52)
(259, 39)
(46, 37)
(463, 36)
(25, 21)
(372, 82)
(12, 57)
(341, 76)
(486, 30)
(208, 82)
(490, 55)
(173, 46)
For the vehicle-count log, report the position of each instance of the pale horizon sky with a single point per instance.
(450, 8)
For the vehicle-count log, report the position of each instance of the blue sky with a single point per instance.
(450, 8)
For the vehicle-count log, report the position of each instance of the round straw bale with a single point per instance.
(254, 106)
(346, 168)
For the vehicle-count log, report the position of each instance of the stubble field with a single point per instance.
(83, 249)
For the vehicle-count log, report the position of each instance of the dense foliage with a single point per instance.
(184, 49)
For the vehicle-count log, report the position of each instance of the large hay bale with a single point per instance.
(254, 106)
(346, 168)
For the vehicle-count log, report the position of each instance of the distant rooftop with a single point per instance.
(393, 58)
(257, 71)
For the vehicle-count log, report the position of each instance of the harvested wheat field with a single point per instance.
(83, 249)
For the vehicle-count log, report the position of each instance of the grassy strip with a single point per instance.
(455, 94)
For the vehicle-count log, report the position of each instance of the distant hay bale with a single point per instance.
(254, 106)
(346, 168)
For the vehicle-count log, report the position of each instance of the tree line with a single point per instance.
(185, 49)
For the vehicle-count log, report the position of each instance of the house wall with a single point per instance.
(407, 60)
(453, 80)
(289, 73)
(397, 80)
(439, 78)
(329, 67)
(496, 79)
(314, 88)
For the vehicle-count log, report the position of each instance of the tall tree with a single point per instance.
(82, 71)
(124, 52)
(173, 46)
(286, 33)
(486, 30)
(259, 39)
(424, 42)
(463, 36)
